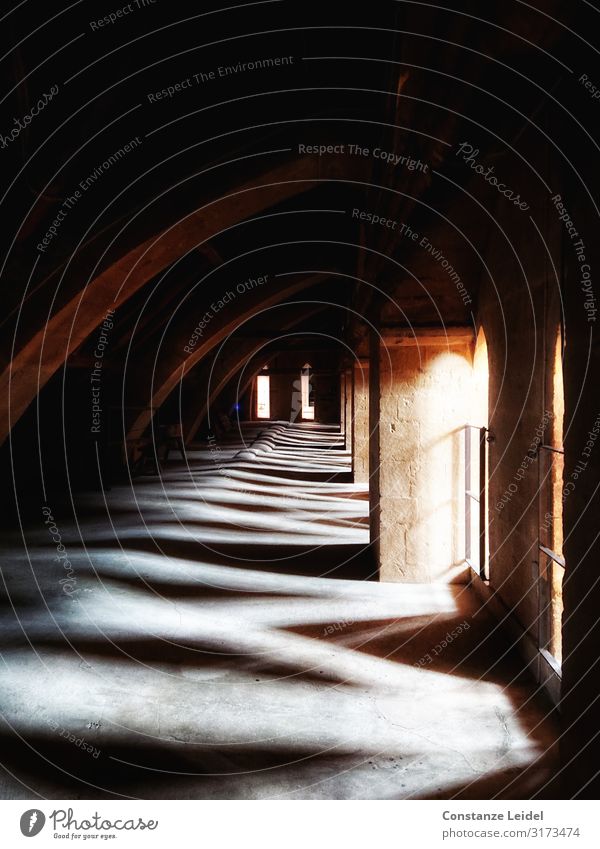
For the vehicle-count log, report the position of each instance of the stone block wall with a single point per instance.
(422, 402)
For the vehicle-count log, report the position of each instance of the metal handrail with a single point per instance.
(552, 555)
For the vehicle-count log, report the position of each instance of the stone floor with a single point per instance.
(222, 637)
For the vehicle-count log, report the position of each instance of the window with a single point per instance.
(308, 404)
(263, 396)
(558, 411)
(552, 493)
(476, 465)
(479, 415)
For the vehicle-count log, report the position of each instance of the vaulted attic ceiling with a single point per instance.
(182, 161)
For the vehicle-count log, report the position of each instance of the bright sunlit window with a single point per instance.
(263, 396)
(556, 476)
(308, 405)
(480, 413)
(476, 504)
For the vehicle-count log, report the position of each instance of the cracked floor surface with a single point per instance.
(223, 637)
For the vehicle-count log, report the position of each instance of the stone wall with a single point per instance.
(360, 422)
(421, 403)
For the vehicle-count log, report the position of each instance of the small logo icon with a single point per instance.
(32, 822)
